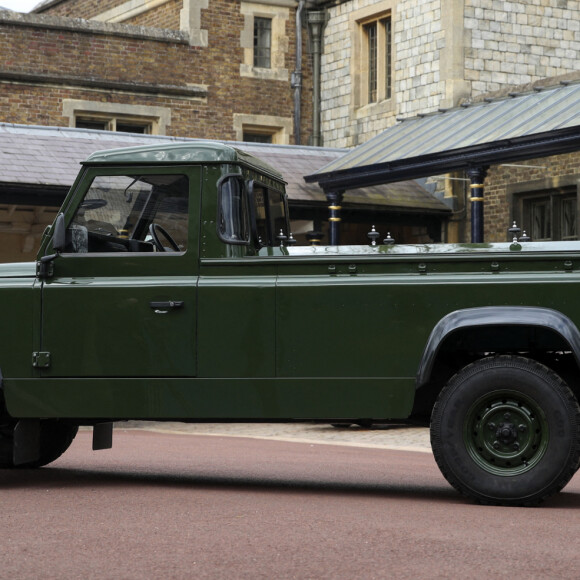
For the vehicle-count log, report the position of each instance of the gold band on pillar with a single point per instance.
(476, 199)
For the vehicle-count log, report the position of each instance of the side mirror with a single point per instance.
(44, 266)
(59, 234)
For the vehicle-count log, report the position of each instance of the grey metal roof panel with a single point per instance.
(483, 123)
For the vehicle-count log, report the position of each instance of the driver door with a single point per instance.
(122, 298)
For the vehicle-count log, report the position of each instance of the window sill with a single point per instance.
(379, 108)
(269, 74)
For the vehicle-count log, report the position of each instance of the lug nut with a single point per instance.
(496, 445)
(516, 446)
(507, 416)
(491, 426)
(522, 428)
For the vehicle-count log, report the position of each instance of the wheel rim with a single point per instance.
(506, 433)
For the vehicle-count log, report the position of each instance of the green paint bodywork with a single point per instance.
(264, 333)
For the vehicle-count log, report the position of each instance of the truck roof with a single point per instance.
(180, 153)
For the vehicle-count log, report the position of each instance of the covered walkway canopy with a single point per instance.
(542, 122)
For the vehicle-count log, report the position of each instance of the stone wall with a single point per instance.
(418, 38)
(511, 43)
(443, 51)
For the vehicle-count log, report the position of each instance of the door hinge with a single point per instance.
(45, 267)
(41, 360)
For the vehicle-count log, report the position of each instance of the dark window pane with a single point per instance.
(233, 217)
(388, 58)
(257, 138)
(541, 219)
(371, 32)
(124, 127)
(262, 42)
(568, 219)
(91, 124)
(259, 195)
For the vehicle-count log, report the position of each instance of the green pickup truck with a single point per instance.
(168, 289)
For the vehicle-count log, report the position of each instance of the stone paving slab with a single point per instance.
(401, 437)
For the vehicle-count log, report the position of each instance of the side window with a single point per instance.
(233, 226)
(270, 216)
(131, 213)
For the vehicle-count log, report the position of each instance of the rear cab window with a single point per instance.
(251, 212)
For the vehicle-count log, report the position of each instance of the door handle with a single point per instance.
(165, 307)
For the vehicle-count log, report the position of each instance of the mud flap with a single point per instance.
(102, 436)
(26, 441)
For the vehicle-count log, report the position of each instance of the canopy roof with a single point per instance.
(542, 122)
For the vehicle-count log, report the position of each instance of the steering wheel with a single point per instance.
(154, 231)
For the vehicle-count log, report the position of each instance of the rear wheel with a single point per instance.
(506, 430)
(55, 439)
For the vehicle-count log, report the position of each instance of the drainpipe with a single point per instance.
(296, 82)
(316, 21)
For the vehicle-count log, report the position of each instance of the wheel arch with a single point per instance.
(546, 324)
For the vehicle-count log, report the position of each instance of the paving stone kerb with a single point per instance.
(399, 437)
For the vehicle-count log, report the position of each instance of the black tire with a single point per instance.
(506, 431)
(55, 439)
(7, 425)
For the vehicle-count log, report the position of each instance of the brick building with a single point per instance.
(194, 68)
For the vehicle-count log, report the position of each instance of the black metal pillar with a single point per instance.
(477, 177)
(334, 200)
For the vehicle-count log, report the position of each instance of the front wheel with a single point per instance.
(506, 431)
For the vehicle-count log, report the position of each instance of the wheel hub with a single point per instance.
(506, 433)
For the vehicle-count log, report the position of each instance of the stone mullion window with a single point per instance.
(264, 39)
(116, 124)
(378, 54)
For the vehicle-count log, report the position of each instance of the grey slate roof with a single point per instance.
(51, 156)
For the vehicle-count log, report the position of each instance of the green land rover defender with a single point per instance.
(167, 289)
